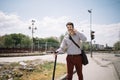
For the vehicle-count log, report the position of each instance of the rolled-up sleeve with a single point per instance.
(63, 46)
(82, 37)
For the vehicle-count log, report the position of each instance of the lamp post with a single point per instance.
(90, 11)
(32, 27)
(46, 45)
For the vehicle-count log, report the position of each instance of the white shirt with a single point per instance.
(69, 47)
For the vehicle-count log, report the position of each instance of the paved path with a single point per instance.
(96, 71)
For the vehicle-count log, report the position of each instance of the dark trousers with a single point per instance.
(74, 60)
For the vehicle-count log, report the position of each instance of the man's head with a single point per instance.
(70, 23)
(70, 27)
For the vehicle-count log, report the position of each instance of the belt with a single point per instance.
(74, 55)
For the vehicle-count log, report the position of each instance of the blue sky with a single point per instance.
(52, 14)
(104, 11)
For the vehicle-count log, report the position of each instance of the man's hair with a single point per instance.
(70, 23)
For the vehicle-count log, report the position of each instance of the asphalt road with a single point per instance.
(49, 57)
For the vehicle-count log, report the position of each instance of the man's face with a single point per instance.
(70, 28)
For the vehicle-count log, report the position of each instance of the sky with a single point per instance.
(51, 17)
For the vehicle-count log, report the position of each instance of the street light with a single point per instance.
(32, 27)
(90, 11)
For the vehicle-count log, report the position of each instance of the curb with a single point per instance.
(116, 69)
(65, 76)
(20, 54)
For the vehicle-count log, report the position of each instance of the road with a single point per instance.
(50, 57)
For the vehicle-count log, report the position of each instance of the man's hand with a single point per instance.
(55, 53)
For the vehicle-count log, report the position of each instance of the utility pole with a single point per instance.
(32, 27)
(90, 11)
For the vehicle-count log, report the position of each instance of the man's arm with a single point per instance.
(82, 37)
(63, 46)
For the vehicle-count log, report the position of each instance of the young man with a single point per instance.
(73, 52)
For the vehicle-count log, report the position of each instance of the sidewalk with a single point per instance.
(98, 70)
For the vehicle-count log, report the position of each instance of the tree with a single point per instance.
(1, 42)
(8, 41)
(25, 42)
(61, 38)
(15, 40)
(86, 45)
(117, 45)
(46, 43)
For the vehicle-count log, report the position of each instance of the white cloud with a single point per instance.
(104, 34)
(55, 26)
(11, 23)
(52, 26)
(108, 33)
